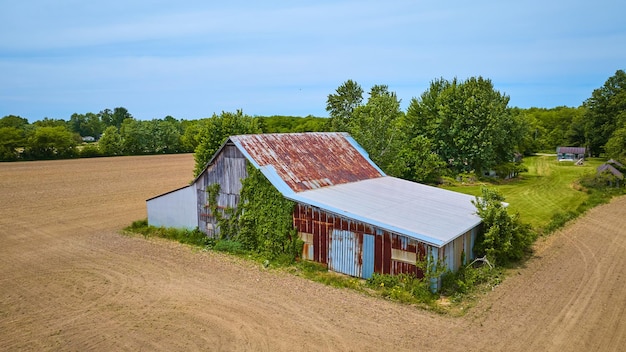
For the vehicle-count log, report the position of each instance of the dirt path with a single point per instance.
(70, 281)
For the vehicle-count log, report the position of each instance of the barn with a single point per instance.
(570, 153)
(351, 216)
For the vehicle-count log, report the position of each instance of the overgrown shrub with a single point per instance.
(403, 287)
(90, 151)
(559, 220)
(504, 237)
(468, 278)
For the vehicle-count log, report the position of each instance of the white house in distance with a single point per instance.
(352, 216)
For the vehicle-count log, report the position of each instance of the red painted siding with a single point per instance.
(320, 224)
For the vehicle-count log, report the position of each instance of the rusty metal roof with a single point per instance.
(305, 161)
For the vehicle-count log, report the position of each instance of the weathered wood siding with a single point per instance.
(227, 170)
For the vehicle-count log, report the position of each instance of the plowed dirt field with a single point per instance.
(70, 281)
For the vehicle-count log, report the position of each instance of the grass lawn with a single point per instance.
(546, 189)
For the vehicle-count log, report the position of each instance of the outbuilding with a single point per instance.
(570, 153)
(351, 216)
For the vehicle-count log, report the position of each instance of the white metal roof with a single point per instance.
(429, 214)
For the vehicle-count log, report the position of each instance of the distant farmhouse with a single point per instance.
(352, 216)
(570, 153)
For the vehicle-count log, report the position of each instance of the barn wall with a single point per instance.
(174, 209)
(228, 169)
(353, 247)
(459, 252)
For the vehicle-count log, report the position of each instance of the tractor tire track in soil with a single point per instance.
(70, 281)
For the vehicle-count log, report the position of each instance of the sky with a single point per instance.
(191, 59)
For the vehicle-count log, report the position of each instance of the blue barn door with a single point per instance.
(347, 255)
(368, 256)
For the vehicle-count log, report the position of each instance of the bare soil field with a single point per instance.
(70, 281)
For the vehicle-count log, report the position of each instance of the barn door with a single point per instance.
(351, 254)
(367, 253)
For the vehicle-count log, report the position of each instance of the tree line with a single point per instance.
(454, 126)
(116, 132)
(467, 126)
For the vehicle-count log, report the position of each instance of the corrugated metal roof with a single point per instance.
(306, 161)
(611, 169)
(571, 150)
(429, 214)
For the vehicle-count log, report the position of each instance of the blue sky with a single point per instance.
(190, 59)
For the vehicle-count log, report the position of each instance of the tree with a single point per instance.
(48, 122)
(110, 143)
(136, 137)
(468, 122)
(191, 136)
(605, 109)
(417, 162)
(51, 142)
(375, 125)
(11, 138)
(503, 238)
(216, 130)
(165, 136)
(115, 117)
(13, 121)
(340, 106)
(88, 124)
(616, 145)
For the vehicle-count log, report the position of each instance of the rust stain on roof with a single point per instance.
(309, 160)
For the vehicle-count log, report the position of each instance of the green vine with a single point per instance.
(225, 217)
(263, 221)
(266, 219)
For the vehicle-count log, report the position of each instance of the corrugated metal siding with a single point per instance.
(228, 169)
(459, 252)
(367, 255)
(309, 160)
(344, 253)
(355, 248)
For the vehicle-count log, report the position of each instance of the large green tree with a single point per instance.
(416, 161)
(51, 142)
(341, 105)
(11, 138)
(616, 145)
(88, 124)
(115, 117)
(606, 112)
(136, 137)
(468, 122)
(13, 121)
(111, 142)
(13, 132)
(375, 125)
(165, 136)
(216, 130)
